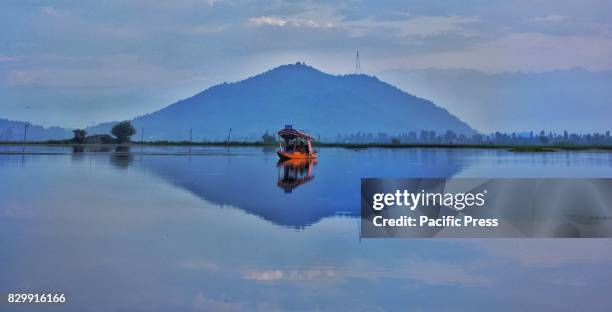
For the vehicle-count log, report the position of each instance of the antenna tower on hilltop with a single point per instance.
(357, 64)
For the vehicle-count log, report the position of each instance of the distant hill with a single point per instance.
(323, 104)
(11, 130)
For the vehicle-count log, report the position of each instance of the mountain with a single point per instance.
(11, 130)
(325, 105)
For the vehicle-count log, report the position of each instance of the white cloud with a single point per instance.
(294, 22)
(428, 273)
(290, 275)
(416, 26)
(266, 275)
(267, 20)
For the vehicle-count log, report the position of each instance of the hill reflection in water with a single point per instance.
(287, 194)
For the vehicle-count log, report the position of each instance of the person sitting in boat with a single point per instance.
(296, 144)
(301, 148)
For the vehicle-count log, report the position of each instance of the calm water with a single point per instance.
(230, 229)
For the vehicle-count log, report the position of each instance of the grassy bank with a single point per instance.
(532, 149)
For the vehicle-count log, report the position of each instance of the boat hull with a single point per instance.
(296, 155)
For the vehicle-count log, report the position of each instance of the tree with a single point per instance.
(543, 138)
(123, 131)
(450, 136)
(267, 138)
(79, 135)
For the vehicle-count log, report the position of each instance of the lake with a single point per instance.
(226, 229)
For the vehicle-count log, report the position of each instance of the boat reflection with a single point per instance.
(295, 173)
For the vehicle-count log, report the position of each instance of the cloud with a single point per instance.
(532, 52)
(267, 20)
(267, 275)
(290, 275)
(112, 71)
(433, 273)
(425, 272)
(294, 22)
(417, 26)
(548, 252)
(554, 18)
(4, 58)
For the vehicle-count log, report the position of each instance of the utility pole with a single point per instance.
(229, 134)
(190, 141)
(25, 137)
(25, 132)
(141, 136)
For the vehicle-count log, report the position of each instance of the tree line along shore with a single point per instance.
(513, 148)
(543, 142)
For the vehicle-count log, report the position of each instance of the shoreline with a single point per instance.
(511, 148)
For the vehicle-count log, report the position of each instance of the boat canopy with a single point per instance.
(289, 134)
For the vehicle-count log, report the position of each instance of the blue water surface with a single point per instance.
(218, 229)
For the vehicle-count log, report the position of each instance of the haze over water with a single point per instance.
(228, 229)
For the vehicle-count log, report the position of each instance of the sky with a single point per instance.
(75, 63)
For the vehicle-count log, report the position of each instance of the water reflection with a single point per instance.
(144, 235)
(287, 193)
(295, 173)
(254, 182)
(121, 157)
(78, 154)
(78, 150)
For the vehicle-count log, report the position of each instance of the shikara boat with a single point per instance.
(295, 144)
